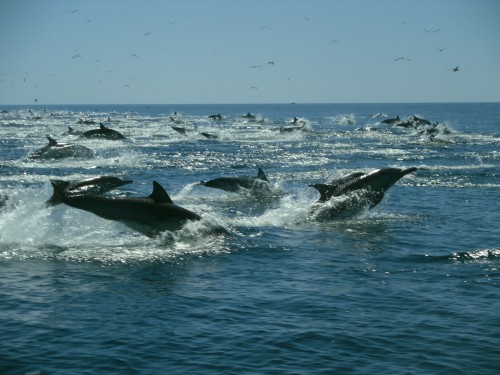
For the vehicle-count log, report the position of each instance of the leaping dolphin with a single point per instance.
(56, 150)
(150, 216)
(91, 186)
(258, 184)
(355, 192)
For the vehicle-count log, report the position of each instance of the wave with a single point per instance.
(476, 255)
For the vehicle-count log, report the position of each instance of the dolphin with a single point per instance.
(209, 136)
(91, 186)
(354, 192)
(249, 116)
(289, 129)
(180, 130)
(72, 131)
(417, 121)
(56, 150)
(86, 122)
(215, 117)
(240, 184)
(150, 215)
(391, 121)
(376, 115)
(103, 133)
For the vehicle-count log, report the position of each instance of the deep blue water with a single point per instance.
(410, 287)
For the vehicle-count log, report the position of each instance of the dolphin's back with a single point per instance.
(103, 132)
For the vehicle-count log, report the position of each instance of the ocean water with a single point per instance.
(409, 287)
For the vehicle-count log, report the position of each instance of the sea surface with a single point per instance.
(408, 287)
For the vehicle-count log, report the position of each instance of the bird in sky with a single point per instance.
(441, 49)
(432, 31)
(402, 58)
(148, 33)
(255, 66)
(455, 69)
(75, 56)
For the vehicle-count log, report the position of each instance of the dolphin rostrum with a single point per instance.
(150, 216)
(354, 192)
(240, 184)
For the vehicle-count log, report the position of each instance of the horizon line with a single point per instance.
(275, 103)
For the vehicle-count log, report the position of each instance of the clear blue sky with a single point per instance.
(239, 51)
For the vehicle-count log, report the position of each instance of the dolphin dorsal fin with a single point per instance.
(159, 195)
(52, 141)
(261, 175)
(102, 126)
(58, 195)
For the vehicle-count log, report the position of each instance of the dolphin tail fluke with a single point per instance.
(58, 195)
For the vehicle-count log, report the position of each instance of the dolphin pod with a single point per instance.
(341, 198)
(354, 192)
